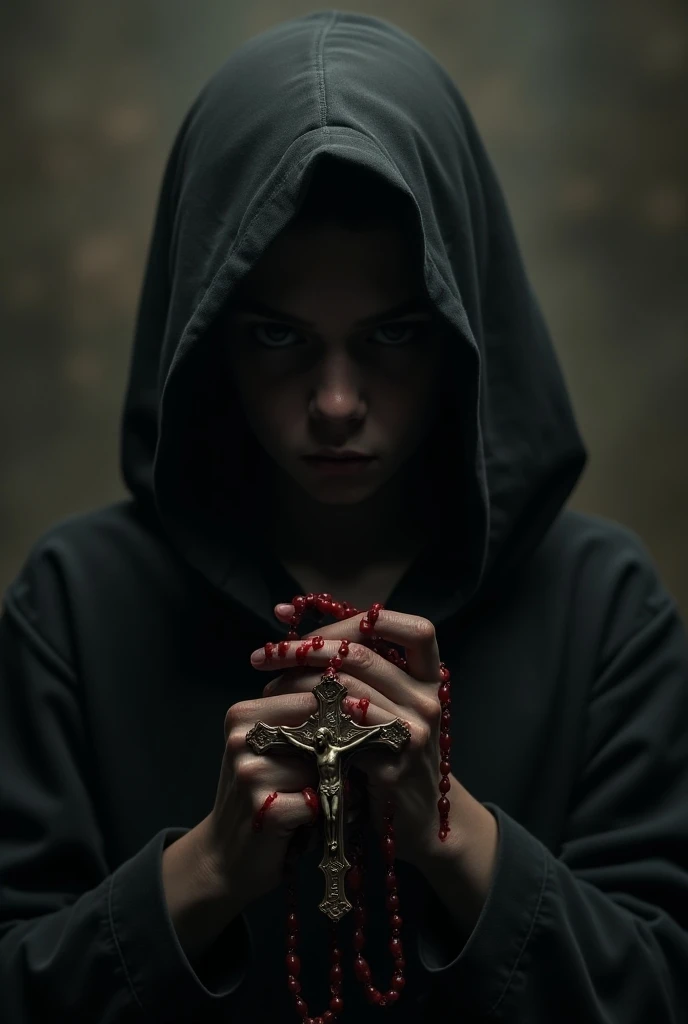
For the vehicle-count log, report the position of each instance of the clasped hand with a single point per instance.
(410, 777)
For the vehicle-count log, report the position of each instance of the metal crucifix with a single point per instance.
(330, 734)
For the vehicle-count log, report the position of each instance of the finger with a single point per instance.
(357, 691)
(278, 813)
(285, 709)
(361, 662)
(412, 632)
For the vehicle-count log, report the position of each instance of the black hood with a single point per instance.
(342, 86)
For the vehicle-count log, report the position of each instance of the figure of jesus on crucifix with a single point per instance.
(328, 757)
(330, 734)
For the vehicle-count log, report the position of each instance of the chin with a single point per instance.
(339, 493)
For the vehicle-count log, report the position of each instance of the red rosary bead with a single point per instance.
(293, 964)
(361, 968)
(372, 994)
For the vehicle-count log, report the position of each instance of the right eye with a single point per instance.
(273, 335)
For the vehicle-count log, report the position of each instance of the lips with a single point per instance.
(337, 466)
(339, 458)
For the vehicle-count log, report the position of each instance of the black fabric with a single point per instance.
(126, 635)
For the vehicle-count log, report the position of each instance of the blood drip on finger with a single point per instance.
(363, 706)
(312, 802)
(258, 820)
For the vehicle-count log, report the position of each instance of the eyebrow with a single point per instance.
(415, 305)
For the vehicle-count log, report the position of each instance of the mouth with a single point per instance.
(340, 464)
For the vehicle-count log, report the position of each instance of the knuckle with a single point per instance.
(424, 629)
(423, 736)
(362, 655)
(431, 711)
(237, 714)
(247, 770)
(231, 719)
(236, 739)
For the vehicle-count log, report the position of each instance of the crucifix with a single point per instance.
(330, 735)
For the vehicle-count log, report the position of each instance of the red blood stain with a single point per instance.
(312, 802)
(258, 820)
(363, 706)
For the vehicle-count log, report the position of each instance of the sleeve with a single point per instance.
(598, 934)
(79, 941)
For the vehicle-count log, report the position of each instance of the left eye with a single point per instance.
(265, 333)
(407, 332)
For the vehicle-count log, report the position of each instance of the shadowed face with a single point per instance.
(332, 346)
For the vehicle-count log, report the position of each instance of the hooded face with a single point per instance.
(334, 366)
(337, 88)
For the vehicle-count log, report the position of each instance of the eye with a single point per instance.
(273, 335)
(397, 334)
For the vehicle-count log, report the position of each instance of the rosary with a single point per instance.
(330, 734)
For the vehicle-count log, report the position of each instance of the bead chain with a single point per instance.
(325, 605)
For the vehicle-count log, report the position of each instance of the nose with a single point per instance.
(337, 394)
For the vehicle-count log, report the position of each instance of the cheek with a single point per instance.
(408, 403)
(269, 406)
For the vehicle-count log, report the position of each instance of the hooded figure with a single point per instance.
(331, 165)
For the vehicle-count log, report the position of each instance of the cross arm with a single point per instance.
(394, 734)
(266, 737)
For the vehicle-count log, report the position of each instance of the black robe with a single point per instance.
(126, 635)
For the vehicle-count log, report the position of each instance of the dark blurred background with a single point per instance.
(583, 106)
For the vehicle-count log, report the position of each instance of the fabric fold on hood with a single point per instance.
(342, 86)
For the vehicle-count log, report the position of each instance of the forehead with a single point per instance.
(327, 256)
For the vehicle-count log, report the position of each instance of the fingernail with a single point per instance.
(258, 657)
